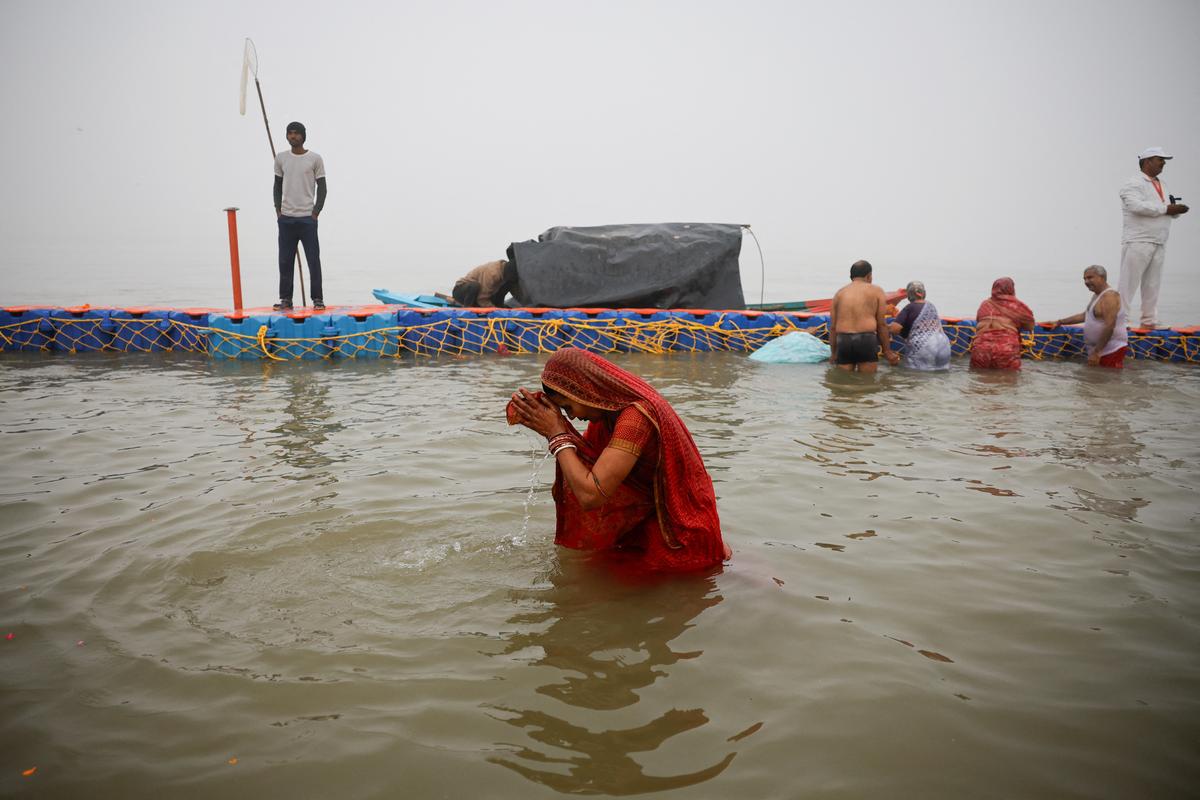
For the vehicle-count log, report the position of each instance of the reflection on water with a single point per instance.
(607, 636)
(857, 413)
(1115, 507)
(343, 576)
(1105, 446)
(604, 764)
(306, 426)
(1106, 435)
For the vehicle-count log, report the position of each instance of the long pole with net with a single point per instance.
(250, 66)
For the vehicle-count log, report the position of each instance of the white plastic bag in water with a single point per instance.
(794, 347)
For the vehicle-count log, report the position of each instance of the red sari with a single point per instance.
(665, 510)
(1000, 347)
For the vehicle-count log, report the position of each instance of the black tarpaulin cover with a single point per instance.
(665, 265)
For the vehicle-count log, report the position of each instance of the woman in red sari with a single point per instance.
(634, 481)
(998, 326)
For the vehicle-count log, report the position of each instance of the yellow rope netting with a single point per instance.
(78, 334)
(473, 336)
(464, 336)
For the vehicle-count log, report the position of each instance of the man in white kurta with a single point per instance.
(1149, 209)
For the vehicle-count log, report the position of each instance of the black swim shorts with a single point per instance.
(857, 348)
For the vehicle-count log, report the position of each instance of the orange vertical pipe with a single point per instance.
(234, 264)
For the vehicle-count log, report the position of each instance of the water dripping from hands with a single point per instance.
(533, 485)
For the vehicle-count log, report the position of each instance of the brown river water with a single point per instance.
(249, 580)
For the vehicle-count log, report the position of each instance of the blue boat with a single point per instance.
(410, 300)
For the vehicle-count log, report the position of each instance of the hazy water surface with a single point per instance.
(324, 580)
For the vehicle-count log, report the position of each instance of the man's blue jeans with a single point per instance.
(292, 231)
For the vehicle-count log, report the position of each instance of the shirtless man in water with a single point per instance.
(857, 326)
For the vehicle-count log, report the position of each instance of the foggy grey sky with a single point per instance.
(952, 142)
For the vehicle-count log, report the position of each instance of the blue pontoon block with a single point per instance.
(189, 330)
(754, 329)
(236, 338)
(427, 332)
(647, 331)
(1061, 342)
(698, 338)
(1145, 345)
(26, 329)
(305, 337)
(141, 331)
(960, 334)
(366, 335)
(83, 330)
(476, 331)
(606, 331)
(579, 331)
(1173, 348)
(539, 336)
(515, 328)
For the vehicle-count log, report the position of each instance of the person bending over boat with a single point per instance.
(857, 324)
(926, 346)
(486, 286)
(998, 326)
(634, 481)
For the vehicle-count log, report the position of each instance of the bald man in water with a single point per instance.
(858, 325)
(1104, 335)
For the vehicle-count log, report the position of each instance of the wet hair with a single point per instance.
(466, 293)
(298, 126)
(860, 269)
(1099, 270)
(914, 290)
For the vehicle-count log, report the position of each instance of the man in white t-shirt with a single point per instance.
(299, 197)
(1149, 210)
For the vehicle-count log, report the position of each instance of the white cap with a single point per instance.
(1151, 152)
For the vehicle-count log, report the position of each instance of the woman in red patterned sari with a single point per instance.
(634, 481)
(998, 326)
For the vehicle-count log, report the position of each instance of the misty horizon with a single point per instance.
(951, 143)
